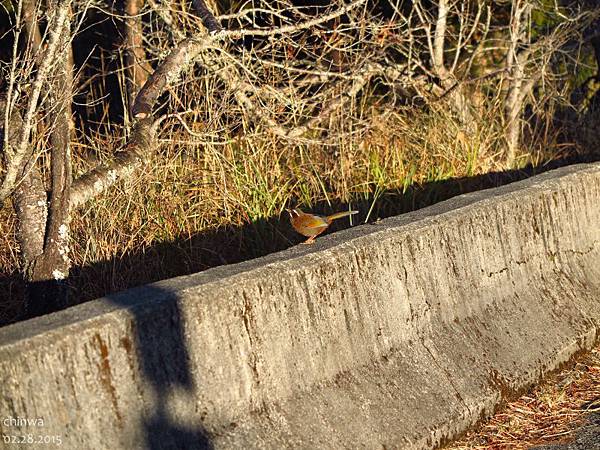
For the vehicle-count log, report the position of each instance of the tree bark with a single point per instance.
(515, 68)
(29, 201)
(34, 37)
(47, 289)
(136, 62)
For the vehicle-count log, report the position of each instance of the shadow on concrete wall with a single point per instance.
(164, 363)
(229, 245)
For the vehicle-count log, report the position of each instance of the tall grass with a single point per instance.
(198, 205)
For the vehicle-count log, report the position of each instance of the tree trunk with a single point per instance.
(47, 288)
(137, 67)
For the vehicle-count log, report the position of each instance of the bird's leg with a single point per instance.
(311, 240)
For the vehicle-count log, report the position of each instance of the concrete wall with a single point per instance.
(398, 334)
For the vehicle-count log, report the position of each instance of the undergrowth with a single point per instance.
(198, 205)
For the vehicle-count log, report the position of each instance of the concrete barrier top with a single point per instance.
(400, 333)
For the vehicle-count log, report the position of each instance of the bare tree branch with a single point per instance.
(15, 154)
(181, 57)
(208, 19)
(142, 143)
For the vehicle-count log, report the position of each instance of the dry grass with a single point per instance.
(199, 205)
(549, 414)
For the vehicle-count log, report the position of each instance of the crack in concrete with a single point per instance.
(551, 254)
(448, 376)
(497, 272)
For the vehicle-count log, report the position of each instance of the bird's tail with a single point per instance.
(340, 215)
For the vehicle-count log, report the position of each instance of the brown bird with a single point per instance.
(311, 225)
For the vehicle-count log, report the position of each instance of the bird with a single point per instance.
(312, 225)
